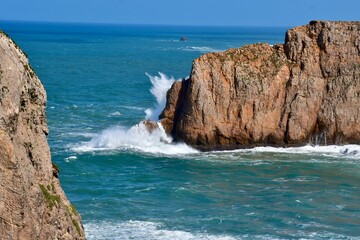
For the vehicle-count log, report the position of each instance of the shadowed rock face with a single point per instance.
(32, 202)
(305, 90)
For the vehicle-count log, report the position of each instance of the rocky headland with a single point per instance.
(32, 202)
(305, 90)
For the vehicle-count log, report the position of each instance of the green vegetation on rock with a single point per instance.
(52, 199)
(76, 225)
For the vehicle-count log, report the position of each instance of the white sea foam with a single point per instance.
(139, 230)
(80, 134)
(117, 113)
(68, 159)
(132, 107)
(168, 40)
(136, 138)
(352, 150)
(201, 49)
(348, 150)
(143, 230)
(160, 85)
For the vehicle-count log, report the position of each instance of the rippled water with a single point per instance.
(128, 184)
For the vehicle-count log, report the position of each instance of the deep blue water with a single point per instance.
(127, 184)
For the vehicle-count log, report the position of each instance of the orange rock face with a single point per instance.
(32, 202)
(305, 90)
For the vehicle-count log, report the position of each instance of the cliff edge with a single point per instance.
(305, 90)
(32, 202)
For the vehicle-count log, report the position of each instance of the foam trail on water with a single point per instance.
(143, 230)
(140, 230)
(202, 49)
(160, 85)
(347, 150)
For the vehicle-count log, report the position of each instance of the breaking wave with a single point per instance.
(138, 137)
(160, 85)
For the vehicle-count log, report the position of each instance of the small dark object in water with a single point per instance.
(345, 151)
(184, 39)
(349, 152)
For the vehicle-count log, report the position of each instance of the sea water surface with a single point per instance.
(102, 80)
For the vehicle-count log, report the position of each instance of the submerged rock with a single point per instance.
(150, 125)
(184, 39)
(32, 202)
(307, 89)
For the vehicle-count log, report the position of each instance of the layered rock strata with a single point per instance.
(32, 202)
(306, 90)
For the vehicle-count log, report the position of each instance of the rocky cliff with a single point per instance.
(32, 202)
(306, 90)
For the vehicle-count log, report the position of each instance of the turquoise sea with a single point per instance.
(102, 80)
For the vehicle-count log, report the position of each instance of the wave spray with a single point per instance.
(138, 137)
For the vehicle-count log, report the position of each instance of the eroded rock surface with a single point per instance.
(32, 202)
(307, 89)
